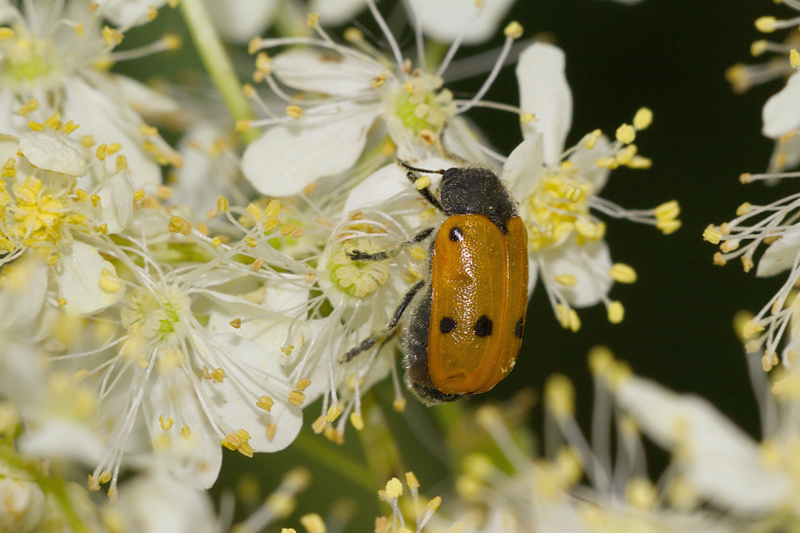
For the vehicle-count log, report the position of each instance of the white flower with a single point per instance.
(51, 67)
(558, 190)
(354, 91)
(756, 481)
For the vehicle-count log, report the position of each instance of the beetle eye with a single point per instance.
(450, 173)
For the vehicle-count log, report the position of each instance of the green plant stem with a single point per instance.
(313, 446)
(378, 442)
(218, 65)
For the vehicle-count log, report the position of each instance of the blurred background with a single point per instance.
(668, 55)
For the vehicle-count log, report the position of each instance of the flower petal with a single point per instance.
(336, 12)
(589, 264)
(781, 113)
(318, 72)
(779, 256)
(270, 333)
(287, 158)
(194, 458)
(544, 91)
(524, 166)
(48, 151)
(79, 280)
(116, 202)
(237, 411)
(722, 463)
(445, 20)
(23, 288)
(240, 20)
(586, 163)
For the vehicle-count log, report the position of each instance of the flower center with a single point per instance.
(151, 317)
(420, 105)
(560, 209)
(358, 278)
(26, 61)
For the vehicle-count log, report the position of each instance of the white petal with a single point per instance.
(62, 439)
(128, 12)
(116, 202)
(287, 158)
(779, 256)
(22, 504)
(312, 71)
(108, 122)
(524, 166)
(445, 20)
(195, 460)
(144, 99)
(270, 333)
(544, 91)
(48, 151)
(533, 274)
(463, 138)
(79, 280)
(240, 20)
(722, 462)
(589, 264)
(240, 412)
(157, 503)
(389, 181)
(207, 171)
(336, 12)
(22, 292)
(781, 113)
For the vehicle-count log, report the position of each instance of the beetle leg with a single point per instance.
(385, 333)
(425, 191)
(357, 255)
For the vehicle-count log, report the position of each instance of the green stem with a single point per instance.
(378, 442)
(218, 64)
(314, 447)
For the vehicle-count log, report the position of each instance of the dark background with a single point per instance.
(671, 56)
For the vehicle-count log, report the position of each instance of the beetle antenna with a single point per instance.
(409, 167)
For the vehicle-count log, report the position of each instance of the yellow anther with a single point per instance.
(744, 209)
(591, 139)
(758, 47)
(643, 118)
(319, 425)
(61, 302)
(353, 35)
(273, 207)
(112, 37)
(186, 432)
(641, 493)
(297, 397)
(750, 328)
(600, 359)
(6, 33)
(313, 19)
(303, 384)
(422, 182)
(766, 24)
(668, 227)
(513, 30)
(254, 211)
(357, 421)
(623, 273)
(333, 413)
(253, 45)
(105, 477)
(412, 481)
(394, 488)
(108, 281)
(794, 58)
(626, 134)
(712, 234)
(418, 253)
(180, 225)
(54, 122)
(101, 152)
(313, 523)
(667, 211)
(251, 242)
(166, 423)
(35, 126)
(288, 229)
(616, 312)
(218, 375)
(560, 396)
(171, 42)
(272, 429)
(399, 405)
(568, 280)
(294, 111)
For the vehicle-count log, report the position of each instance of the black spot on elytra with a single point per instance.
(519, 328)
(456, 234)
(483, 327)
(447, 324)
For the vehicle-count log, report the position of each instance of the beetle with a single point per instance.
(467, 317)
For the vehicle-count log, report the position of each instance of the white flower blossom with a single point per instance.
(558, 189)
(53, 63)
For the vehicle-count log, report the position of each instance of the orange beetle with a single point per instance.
(465, 327)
